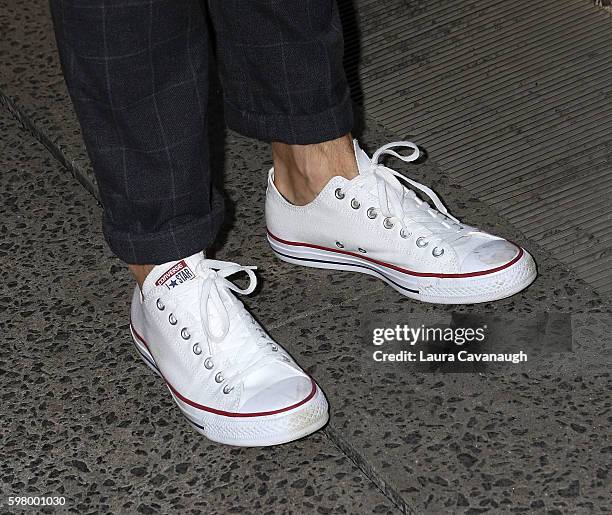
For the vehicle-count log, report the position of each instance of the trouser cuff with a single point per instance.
(290, 128)
(169, 245)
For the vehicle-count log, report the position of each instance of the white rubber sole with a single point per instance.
(253, 431)
(438, 290)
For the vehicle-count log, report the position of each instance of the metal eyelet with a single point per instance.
(355, 204)
(371, 212)
(274, 348)
(388, 224)
(404, 234)
(421, 242)
(363, 251)
(160, 305)
(197, 350)
(219, 377)
(208, 364)
(436, 252)
(185, 334)
(227, 389)
(339, 245)
(339, 194)
(172, 319)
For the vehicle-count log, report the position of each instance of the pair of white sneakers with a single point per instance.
(236, 385)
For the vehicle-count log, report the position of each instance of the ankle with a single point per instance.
(302, 171)
(140, 273)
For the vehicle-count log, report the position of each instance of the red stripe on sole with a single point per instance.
(221, 412)
(400, 269)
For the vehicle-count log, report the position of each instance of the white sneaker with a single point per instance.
(228, 377)
(376, 225)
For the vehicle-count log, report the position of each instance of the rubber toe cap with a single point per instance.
(490, 255)
(278, 395)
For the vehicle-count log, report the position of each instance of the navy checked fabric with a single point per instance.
(137, 73)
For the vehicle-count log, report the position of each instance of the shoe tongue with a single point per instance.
(173, 275)
(364, 164)
(363, 161)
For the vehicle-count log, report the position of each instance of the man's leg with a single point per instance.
(283, 80)
(137, 75)
(329, 204)
(302, 171)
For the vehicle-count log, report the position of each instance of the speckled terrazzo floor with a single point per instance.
(82, 417)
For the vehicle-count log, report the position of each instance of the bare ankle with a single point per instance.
(302, 171)
(140, 272)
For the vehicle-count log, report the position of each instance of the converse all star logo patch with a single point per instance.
(177, 274)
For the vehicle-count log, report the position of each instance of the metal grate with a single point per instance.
(512, 99)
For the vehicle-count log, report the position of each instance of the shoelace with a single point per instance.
(248, 358)
(214, 274)
(401, 204)
(245, 358)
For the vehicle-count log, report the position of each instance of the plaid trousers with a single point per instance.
(137, 73)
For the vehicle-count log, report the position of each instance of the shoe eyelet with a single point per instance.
(371, 212)
(197, 350)
(219, 377)
(274, 348)
(355, 204)
(388, 224)
(185, 334)
(363, 251)
(227, 389)
(421, 242)
(208, 364)
(339, 194)
(404, 234)
(339, 245)
(172, 319)
(436, 252)
(160, 305)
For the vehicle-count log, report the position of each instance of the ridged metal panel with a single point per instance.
(512, 99)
